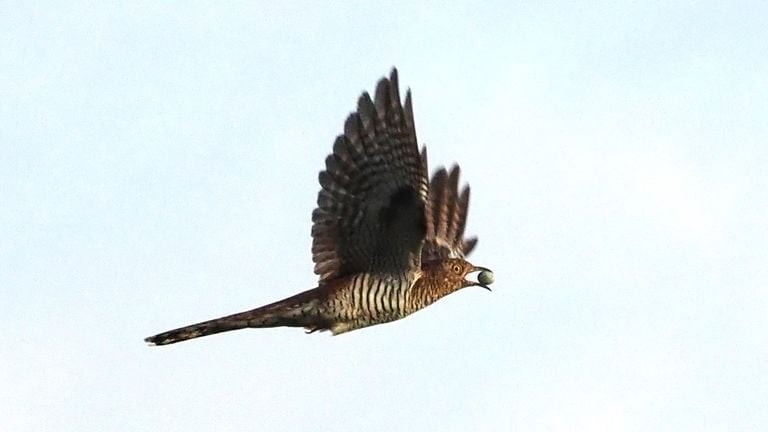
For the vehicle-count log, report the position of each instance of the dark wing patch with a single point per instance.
(446, 217)
(370, 210)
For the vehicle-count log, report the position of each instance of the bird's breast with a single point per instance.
(370, 298)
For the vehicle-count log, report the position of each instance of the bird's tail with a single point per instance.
(297, 311)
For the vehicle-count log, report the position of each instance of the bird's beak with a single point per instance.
(484, 278)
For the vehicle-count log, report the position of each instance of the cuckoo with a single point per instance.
(387, 240)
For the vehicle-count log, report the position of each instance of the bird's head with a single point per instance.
(456, 270)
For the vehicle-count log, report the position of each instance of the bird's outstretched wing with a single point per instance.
(370, 214)
(446, 217)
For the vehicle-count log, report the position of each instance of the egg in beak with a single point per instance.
(484, 278)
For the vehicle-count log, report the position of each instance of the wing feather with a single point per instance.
(370, 214)
(446, 212)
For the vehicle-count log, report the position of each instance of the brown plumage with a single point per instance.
(387, 241)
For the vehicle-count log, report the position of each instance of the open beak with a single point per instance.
(484, 278)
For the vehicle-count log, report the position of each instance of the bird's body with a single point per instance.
(386, 240)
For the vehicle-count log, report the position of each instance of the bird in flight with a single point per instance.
(387, 240)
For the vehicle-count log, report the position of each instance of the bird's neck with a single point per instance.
(428, 289)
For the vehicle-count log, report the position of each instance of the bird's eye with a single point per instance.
(457, 269)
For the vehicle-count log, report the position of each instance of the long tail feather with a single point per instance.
(297, 311)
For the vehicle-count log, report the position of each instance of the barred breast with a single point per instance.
(369, 299)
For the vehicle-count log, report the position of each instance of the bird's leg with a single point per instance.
(313, 328)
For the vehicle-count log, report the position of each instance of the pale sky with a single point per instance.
(159, 167)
